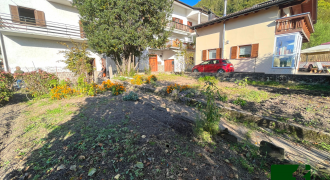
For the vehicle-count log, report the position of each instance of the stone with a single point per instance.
(73, 168)
(271, 150)
(61, 167)
(229, 137)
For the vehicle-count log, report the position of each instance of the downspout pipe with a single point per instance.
(224, 32)
(4, 53)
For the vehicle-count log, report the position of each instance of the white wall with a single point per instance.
(44, 54)
(53, 11)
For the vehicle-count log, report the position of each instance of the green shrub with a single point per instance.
(210, 114)
(209, 79)
(6, 81)
(240, 102)
(243, 82)
(223, 98)
(132, 96)
(38, 83)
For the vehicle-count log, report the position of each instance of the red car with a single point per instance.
(214, 66)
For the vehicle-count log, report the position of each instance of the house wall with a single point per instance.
(245, 30)
(252, 29)
(31, 53)
(53, 11)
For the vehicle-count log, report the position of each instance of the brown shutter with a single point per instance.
(255, 50)
(204, 55)
(233, 52)
(82, 33)
(218, 54)
(297, 9)
(173, 19)
(14, 13)
(189, 23)
(181, 21)
(40, 18)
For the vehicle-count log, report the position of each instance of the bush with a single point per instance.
(137, 79)
(62, 91)
(39, 82)
(178, 87)
(132, 96)
(151, 79)
(6, 81)
(116, 88)
(222, 98)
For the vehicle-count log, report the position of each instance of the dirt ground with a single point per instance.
(66, 139)
(309, 108)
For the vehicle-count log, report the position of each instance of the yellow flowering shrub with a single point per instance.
(137, 79)
(151, 78)
(61, 92)
(178, 87)
(116, 88)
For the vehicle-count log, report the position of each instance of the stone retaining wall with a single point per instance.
(282, 78)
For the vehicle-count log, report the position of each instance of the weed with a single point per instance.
(208, 79)
(208, 123)
(132, 96)
(242, 83)
(239, 102)
(222, 98)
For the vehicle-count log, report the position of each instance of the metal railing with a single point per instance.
(176, 44)
(180, 26)
(21, 23)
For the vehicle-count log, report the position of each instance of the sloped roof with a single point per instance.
(317, 49)
(254, 8)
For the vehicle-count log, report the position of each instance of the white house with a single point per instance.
(30, 31)
(183, 16)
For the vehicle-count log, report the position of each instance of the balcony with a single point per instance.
(301, 23)
(179, 26)
(175, 44)
(30, 27)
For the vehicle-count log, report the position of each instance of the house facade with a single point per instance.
(30, 32)
(265, 38)
(167, 58)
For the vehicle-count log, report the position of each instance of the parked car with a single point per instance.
(214, 66)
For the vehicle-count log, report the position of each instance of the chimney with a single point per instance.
(211, 15)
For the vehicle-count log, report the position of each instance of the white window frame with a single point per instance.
(210, 53)
(296, 51)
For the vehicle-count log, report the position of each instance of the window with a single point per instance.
(214, 62)
(26, 16)
(226, 61)
(205, 62)
(245, 51)
(287, 50)
(212, 54)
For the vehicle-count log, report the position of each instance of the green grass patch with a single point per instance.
(315, 87)
(209, 79)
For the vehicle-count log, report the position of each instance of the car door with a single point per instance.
(215, 66)
(201, 66)
(208, 66)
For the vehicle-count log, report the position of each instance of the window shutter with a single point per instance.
(204, 55)
(233, 52)
(181, 21)
(218, 54)
(173, 19)
(189, 23)
(255, 50)
(40, 18)
(82, 33)
(14, 13)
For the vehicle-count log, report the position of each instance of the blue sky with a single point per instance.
(190, 2)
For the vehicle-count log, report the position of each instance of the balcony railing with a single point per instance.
(176, 44)
(298, 23)
(26, 24)
(180, 26)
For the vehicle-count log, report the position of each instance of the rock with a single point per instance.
(73, 168)
(62, 166)
(143, 136)
(117, 176)
(271, 150)
(227, 161)
(81, 157)
(229, 137)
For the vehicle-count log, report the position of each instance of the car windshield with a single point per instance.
(226, 61)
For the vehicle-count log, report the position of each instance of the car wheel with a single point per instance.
(195, 70)
(220, 71)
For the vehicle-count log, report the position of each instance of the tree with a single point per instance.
(122, 29)
(77, 59)
(185, 56)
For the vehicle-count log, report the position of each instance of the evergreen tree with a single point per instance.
(124, 28)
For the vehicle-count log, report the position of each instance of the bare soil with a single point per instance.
(112, 136)
(309, 108)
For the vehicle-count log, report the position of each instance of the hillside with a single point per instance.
(322, 28)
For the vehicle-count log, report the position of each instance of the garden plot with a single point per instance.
(105, 137)
(295, 104)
